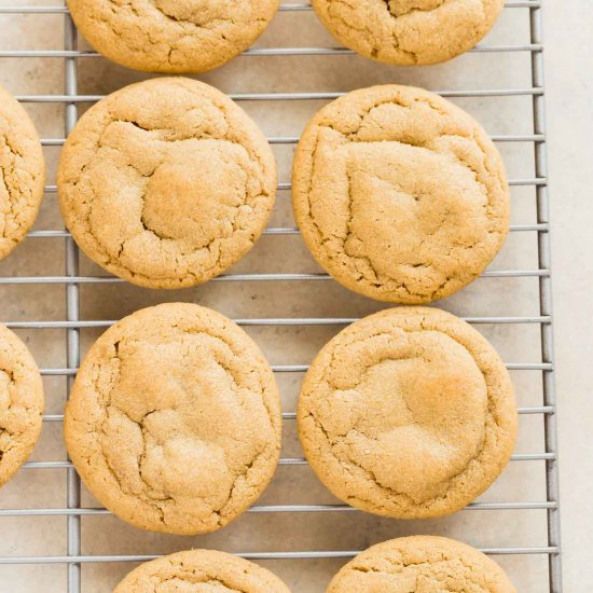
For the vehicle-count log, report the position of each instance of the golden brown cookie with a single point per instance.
(201, 571)
(22, 173)
(171, 35)
(408, 32)
(408, 413)
(174, 420)
(399, 194)
(421, 564)
(21, 404)
(166, 183)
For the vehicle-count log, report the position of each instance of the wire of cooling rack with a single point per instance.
(545, 298)
(73, 491)
(73, 280)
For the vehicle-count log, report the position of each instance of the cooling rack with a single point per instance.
(531, 493)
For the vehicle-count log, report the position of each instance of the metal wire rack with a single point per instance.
(73, 281)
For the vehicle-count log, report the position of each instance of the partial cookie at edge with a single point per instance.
(22, 173)
(213, 571)
(421, 562)
(21, 404)
(405, 32)
(172, 37)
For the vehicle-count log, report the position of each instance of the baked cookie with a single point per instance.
(169, 35)
(21, 404)
(166, 183)
(399, 194)
(408, 32)
(22, 173)
(421, 563)
(408, 413)
(174, 420)
(201, 571)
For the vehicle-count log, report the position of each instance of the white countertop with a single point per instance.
(569, 72)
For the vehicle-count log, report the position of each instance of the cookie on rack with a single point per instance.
(170, 36)
(206, 571)
(174, 420)
(409, 32)
(22, 173)
(21, 404)
(166, 183)
(408, 413)
(399, 194)
(421, 563)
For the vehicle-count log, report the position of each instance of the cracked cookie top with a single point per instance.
(174, 420)
(172, 36)
(22, 173)
(201, 571)
(166, 183)
(408, 32)
(21, 404)
(421, 563)
(408, 413)
(399, 194)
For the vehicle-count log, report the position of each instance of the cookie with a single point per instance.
(399, 194)
(174, 420)
(408, 413)
(408, 32)
(203, 571)
(169, 35)
(22, 173)
(166, 183)
(21, 404)
(421, 563)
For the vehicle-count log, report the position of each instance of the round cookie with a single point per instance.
(21, 404)
(408, 32)
(421, 563)
(171, 36)
(399, 194)
(408, 413)
(166, 183)
(203, 571)
(174, 420)
(22, 173)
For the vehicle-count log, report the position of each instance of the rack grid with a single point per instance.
(73, 281)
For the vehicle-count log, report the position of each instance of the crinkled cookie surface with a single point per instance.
(408, 32)
(172, 36)
(166, 183)
(399, 194)
(421, 564)
(174, 420)
(408, 413)
(201, 571)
